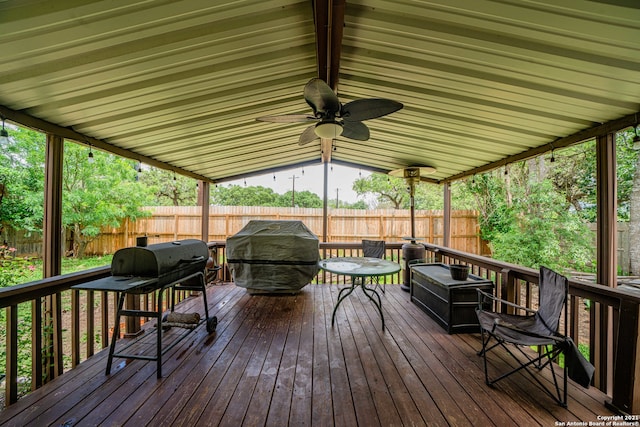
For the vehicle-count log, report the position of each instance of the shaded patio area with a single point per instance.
(276, 360)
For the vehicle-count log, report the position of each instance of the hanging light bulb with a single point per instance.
(553, 157)
(139, 167)
(274, 176)
(90, 158)
(303, 171)
(174, 175)
(4, 134)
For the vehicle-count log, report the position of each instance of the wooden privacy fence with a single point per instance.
(344, 225)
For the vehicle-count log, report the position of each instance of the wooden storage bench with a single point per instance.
(449, 302)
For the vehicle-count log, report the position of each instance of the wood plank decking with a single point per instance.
(276, 361)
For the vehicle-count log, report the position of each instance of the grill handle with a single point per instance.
(191, 260)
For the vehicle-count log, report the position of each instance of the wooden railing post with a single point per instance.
(52, 332)
(75, 328)
(36, 344)
(437, 256)
(626, 375)
(132, 323)
(508, 290)
(11, 381)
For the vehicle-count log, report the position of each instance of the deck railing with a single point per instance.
(603, 319)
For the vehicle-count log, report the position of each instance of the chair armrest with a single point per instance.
(482, 295)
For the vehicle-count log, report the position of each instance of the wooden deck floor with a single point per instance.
(276, 360)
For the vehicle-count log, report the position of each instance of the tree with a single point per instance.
(393, 192)
(169, 188)
(489, 192)
(22, 181)
(302, 199)
(236, 195)
(540, 230)
(527, 221)
(98, 194)
(388, 190)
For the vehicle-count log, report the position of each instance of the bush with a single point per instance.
(14, 270)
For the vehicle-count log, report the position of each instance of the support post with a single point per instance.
(203, 201)
(446, 232)
(606, 257)
(626, 381)
(52, 255)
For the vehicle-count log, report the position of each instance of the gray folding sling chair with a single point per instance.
(374, 249)
(535, 328)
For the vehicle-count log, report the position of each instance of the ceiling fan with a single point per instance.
(332, 119)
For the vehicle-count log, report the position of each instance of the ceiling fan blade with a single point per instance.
(288, 118)
(309, 135)
(365, 109)
(321, 98)
(355, 130)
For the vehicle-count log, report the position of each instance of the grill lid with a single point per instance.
(157, 260)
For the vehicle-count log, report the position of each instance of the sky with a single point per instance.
(311, 178)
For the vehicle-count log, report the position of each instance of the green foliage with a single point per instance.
(490, 195)
(528, 222)
(236, 195)
(22, 180)
(96, 194)
(301, 199)
(393, 192)
(14, 270)
(390, 192)
(547, 235)
(168, 188)
(574, 175)
(627, 159)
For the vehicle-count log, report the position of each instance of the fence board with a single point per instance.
(344, 225)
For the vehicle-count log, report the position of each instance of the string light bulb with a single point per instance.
(90, 158)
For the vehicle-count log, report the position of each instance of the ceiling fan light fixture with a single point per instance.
(328, 130)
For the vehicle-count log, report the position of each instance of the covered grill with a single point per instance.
(273, 256)
(179, 265)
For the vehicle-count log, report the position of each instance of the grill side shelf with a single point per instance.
(124, 285)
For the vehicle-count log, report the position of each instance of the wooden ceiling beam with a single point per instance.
(329, 21)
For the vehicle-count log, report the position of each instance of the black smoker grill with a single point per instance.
(179, 265)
